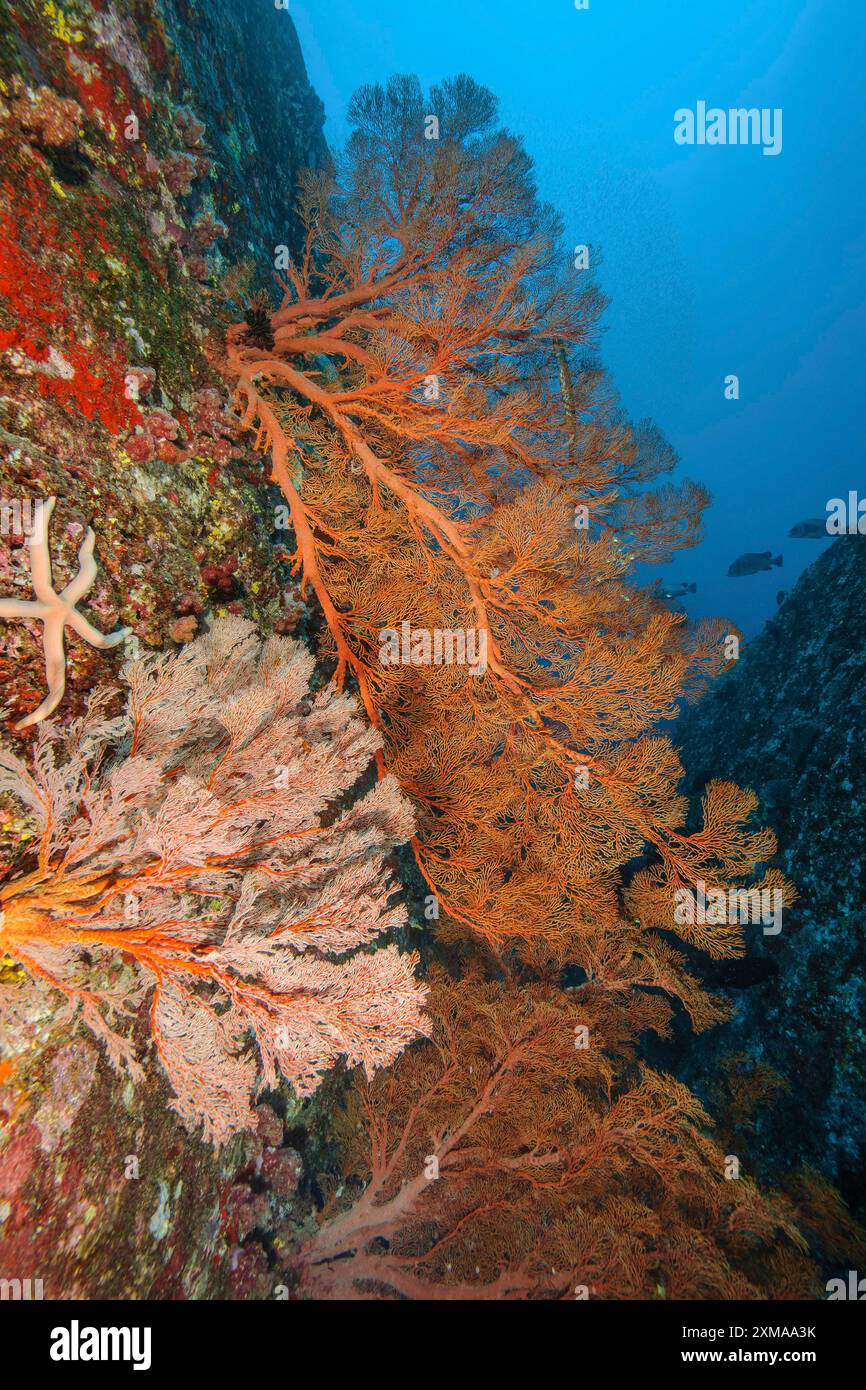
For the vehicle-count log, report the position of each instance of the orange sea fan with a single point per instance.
(504, 1159)
(453, 459)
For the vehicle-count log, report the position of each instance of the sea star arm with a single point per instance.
(48, 706)
(55, 669)
(55, 610)
(40, 556)
(84, 579)
(22, 608)
(77, 588)
(85, 629)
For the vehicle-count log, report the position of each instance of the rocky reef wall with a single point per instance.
(788, 721)
(144, 149)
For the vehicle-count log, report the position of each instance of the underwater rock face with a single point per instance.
(143, 149)
(248, 86)
(788, 721)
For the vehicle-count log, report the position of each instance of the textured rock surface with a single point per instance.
(114, 236)
(241, 63)
(789, 722)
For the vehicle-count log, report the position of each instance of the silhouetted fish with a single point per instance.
(753, 562)
(814, 528)
(677, 590)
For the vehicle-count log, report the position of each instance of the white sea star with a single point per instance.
(57, 611)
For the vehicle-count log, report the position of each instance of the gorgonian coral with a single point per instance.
(202, 851)
(456, 469)
(520, 1152)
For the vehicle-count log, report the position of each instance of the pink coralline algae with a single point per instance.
(269, 1126)
(211, 433)
(183, 629)
(282, 1170)
(178, 171)
(160, 424)
(189, 604)
(190, 127)
(292, 610)
(220, 577)
(141, 447)
(247, 1210)
(249, 1272)
(206, 230)
(46, 118)
(197, 266)
(140, 381)
(72, 1072)
(212, 416)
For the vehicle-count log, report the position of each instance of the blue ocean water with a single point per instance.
(718, 260)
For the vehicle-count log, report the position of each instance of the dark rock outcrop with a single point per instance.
(239, 64)
(789, 722)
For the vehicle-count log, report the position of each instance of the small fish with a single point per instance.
(753, 562)
(814, 528)
(677, 590)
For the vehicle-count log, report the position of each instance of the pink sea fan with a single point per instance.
(198, 852)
